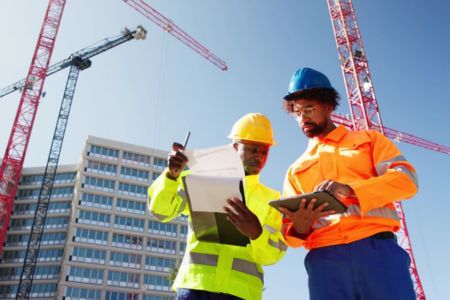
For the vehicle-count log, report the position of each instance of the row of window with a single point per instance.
(45, 255)
(38, 290)
(131, 157)
(68, 177)
(30, 208)
(48, 238)
(50, 222)
(57, 192)
(75, 293)
(154, 245)
(127, 223)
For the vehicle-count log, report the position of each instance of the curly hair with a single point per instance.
(328, 96)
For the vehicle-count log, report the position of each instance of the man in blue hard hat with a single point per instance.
(353, 255)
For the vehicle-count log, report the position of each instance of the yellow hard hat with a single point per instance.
(253, 127)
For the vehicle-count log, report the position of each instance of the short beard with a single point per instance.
(315, 131)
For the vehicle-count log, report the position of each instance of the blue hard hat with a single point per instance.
(304, 79)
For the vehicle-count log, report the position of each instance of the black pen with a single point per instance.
(186, 139)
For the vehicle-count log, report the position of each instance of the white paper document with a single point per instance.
(215, 176)
(210, 193)
(218, 161)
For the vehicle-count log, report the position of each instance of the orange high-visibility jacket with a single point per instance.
(371, 165)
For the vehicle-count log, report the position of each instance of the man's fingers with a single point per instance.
(177, 147)
(311, 204)
(289, 214)
(238, 206)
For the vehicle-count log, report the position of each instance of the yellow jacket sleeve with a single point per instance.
(166, 199)
(270, 246)
(395, 177)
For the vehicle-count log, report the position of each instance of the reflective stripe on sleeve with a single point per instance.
(411, 174)
(247, 267)
(269, 228)
(383, 166)
(280, 245)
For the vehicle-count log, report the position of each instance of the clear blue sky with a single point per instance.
(151, 92)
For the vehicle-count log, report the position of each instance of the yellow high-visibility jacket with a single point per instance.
(221, 268)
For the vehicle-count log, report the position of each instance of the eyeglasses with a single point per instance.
(302, 112)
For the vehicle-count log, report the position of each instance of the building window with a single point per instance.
(85, 275)
(101, 168)
(131, 206)
(160, 264)
(41, 290)
(127, 241)
(121, 296)
(168, 229)
(88, 255)
(103, 152)
(123, 279)
(59, 207)
(28, 194)
(132, 173)
(159, 163)
(74, 293)
(50, 254)
(99, 184)
(62, 192)
(134, 158)
(96, 200)
(126, 260)
(65, 177)
(93, 218)
(10, 273)
(183, 231)
(53, 238)
(157, 283)
(8, 291)
(17, 239)
(133, 190)
(91, 236)
(129, 223)
(161, 246)
(47, 272)
(14, 256)
(56, 222)
(182, 248)
(156, 297)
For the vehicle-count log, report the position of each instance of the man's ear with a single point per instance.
(235, 146)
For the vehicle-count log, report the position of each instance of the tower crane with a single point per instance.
(31, 89)
(16, 148)
(78, 61)
(363, 103)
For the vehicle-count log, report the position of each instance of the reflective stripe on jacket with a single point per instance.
(223, 268)
(371, 165)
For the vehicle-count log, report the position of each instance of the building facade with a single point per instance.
(99, 240)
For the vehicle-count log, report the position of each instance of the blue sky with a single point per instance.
(151, 92)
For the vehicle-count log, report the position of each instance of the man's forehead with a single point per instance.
(250, 144)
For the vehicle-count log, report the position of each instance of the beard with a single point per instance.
(314, 130)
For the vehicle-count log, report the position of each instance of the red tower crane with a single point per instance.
(361, 96)
(16, 148)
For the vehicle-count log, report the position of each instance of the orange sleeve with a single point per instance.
(395, 178)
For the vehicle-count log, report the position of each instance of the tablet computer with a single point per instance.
(293, 202)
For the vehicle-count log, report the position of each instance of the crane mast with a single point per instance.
(19, 138)
(361, 96)
(78, 61)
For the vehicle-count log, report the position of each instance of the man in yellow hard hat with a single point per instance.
(220, 271)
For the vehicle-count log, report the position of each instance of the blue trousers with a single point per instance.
(368, 269)
(188, 294)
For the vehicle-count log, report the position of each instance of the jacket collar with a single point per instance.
(335, 135)
(251, 179)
